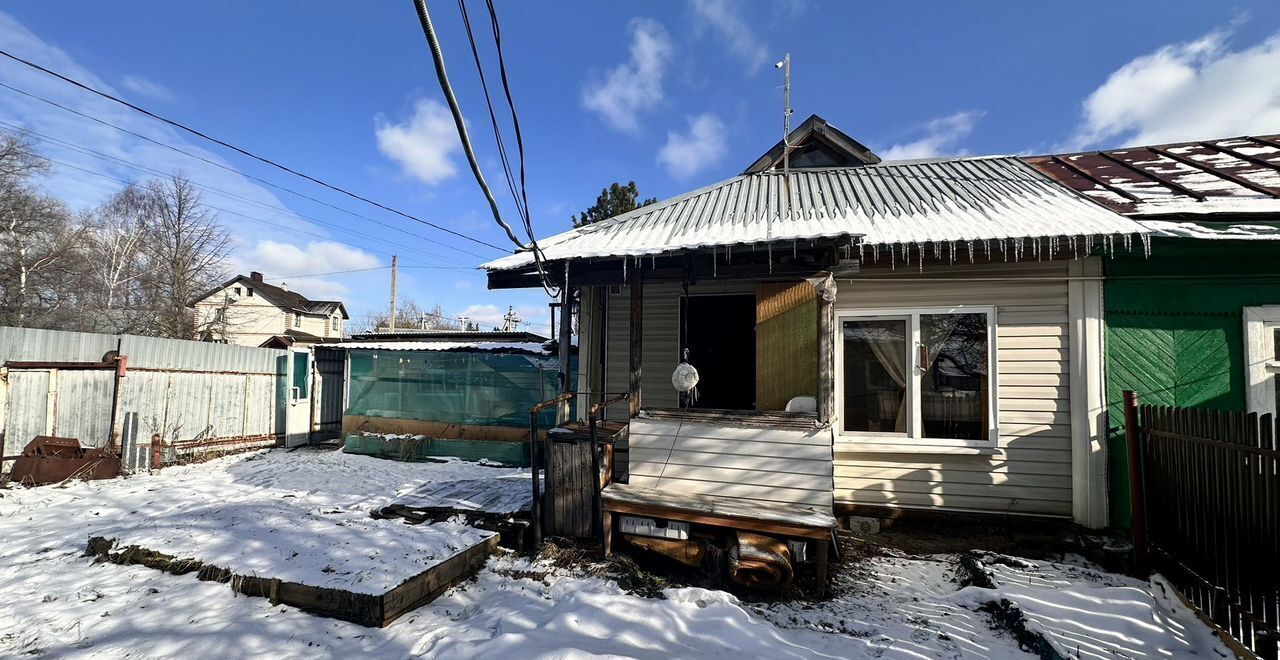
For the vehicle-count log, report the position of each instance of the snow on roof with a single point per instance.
(1225, 176)
(532, 348)
(933, 201)
(1235, 231)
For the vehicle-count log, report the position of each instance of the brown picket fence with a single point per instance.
(1208, 500)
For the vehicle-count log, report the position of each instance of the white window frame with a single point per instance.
(1261, 365)
(914, 439)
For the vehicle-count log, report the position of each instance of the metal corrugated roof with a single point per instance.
(908, 202)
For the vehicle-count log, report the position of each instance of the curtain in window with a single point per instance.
(891, 351)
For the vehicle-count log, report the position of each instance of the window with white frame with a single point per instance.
(918, 376)
(1262, 358)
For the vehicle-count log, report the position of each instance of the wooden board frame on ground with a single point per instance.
(373, 610)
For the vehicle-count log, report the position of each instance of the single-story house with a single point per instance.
(1197, 323)
(870, 337)
(467, 392)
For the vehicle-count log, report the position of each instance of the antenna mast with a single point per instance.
(785, 65)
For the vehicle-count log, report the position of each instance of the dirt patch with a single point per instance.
(1022, 537)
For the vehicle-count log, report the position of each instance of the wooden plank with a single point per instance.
(805, 450)
(742, 461)
(714, 520)
(820, 482)
(747, 492)
(430, 585)
(810, 437)
(619, 495)
(636, 284)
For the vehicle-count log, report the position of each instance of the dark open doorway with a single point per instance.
(719, 332)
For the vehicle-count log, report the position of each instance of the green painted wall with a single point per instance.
(1175, 331)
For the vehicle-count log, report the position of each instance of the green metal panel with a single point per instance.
(1175, 331)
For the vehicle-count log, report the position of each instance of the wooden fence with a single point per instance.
(1209, 490)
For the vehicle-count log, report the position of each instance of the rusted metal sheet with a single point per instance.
(1235, 175)
(51, 460)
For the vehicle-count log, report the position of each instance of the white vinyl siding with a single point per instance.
(1029, 469)
(765, 465)
(1262, 358)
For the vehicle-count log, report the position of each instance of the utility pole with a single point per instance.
(391, 324)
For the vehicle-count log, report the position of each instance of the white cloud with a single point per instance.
(1187, 91)
(629, 89)
(423, 144)
(147, 88)
(280, 260)
(723, 18)
(78, 188)
(692, 151)
(940, 138)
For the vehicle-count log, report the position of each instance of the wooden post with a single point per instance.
(826, 348)
(564, 340)
(636, 284)
(1137, 496)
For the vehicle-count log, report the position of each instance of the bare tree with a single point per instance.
(38, 243)
(186, 249)
(410, 315)
(116, 263)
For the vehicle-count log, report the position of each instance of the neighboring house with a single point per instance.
(1196, 323)
(870, 337)
(467, 393)
(246, 310)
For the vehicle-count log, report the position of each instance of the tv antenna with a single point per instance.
(785, 65)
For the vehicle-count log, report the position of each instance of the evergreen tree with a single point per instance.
(613, 200)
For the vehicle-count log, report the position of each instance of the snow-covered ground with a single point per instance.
(56, 603)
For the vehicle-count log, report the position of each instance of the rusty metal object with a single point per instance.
(760, 562)
(50, 460)
(689, 552)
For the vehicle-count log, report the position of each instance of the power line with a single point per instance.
(361, 270)
(230, 169)
(245, 152)
(522, 210)
(437, 58)
(216, 208)
(217, 191)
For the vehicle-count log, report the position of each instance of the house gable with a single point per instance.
(815, 144)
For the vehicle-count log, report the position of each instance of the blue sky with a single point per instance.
(673, 95)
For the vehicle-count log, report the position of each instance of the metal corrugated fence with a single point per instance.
(193, 394)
